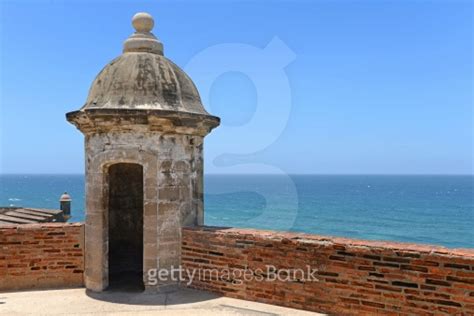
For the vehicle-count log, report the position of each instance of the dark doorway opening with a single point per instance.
(125, 226)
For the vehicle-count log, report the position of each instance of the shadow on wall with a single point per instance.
(182, 296)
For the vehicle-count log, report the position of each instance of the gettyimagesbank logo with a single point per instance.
(237, 276)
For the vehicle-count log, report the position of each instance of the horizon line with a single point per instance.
(267, 174)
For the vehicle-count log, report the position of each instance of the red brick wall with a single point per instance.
(355, 277)
(37, 256)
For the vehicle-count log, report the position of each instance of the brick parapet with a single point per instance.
(40, 256)
(355, 277)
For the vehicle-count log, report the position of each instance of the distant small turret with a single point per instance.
(65, 205)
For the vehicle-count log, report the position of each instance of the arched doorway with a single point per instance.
(125, 231)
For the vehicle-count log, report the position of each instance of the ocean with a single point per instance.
(420, 209)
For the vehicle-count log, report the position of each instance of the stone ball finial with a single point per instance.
(143, 22)
(142, 40)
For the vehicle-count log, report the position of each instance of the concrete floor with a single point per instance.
(182, 302)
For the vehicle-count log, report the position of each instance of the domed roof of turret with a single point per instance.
(65, 197)
(142, 87)
(142, 78)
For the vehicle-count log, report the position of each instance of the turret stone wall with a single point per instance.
(172, 178)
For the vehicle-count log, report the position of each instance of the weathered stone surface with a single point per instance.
(142, 110)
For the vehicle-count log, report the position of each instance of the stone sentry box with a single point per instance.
(144, 126)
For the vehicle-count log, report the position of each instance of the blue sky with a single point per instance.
(348, 87)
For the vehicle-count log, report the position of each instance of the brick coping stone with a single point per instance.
(328, 240)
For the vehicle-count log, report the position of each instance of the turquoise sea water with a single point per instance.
(421, 209)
